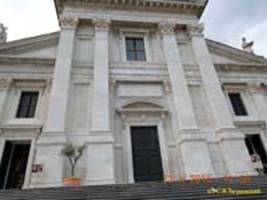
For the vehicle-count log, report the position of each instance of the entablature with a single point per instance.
(194, 7)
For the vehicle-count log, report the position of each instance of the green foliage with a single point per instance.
(73, 153)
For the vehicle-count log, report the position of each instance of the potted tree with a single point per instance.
(73, 154)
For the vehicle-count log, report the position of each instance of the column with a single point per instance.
(53, 138)
(191, 141)
(100, 104)
(232, 140)
(181, 95)
(100, 150)
(257, 93)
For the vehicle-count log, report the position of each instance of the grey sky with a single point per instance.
(225, 21)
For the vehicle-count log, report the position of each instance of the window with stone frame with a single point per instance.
(135, 49)
(27, 104)
(237, 104)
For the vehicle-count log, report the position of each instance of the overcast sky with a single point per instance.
(225, 21)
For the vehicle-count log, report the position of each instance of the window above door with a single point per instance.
(134, 45)
(135, 49)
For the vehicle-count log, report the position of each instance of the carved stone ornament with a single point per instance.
(101, 24)
(3, 33)
(5, 83)
(195, 29)
(167, 86)
(68, 22)
(255, 87)
(49, 82)
(166, 28)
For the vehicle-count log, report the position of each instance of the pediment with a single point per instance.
(141, 106)
(42, 46)
(224, 54)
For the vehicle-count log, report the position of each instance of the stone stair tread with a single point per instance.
(154, 191)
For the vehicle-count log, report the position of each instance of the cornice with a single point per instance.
(241, 66)
(234, 53)
(40, 40)
(179, 6)
(7, 59)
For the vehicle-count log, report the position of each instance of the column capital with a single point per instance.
(195, 30)
(5, 83)
(68, 22)
(166, 28)
(101, 24)
(255, 87)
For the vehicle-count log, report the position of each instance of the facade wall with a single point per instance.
(183, 108)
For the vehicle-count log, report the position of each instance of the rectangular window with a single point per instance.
(27, 104)
(237, 104)
(135, 49)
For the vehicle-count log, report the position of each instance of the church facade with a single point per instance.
(140, 86)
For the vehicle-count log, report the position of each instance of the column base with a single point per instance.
(195, 155)
(48, 155)
(100, 160)
(196, 159)
(235, 153)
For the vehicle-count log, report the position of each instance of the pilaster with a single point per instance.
(5, 84)
(53, 137)
(231, 139)
(214, 92)
(100, 149)
(183, 106)
(57, 110)
(100, 104)
(257, 92)
(184, 111)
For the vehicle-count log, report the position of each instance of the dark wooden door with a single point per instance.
(13, 165)
(146, 154)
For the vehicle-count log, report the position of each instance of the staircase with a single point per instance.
(150, 190)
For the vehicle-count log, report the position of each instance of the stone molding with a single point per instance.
(195, 30)
(101, 24)
(6, 59)
(166, 28)
(5, 83)
(68, 22)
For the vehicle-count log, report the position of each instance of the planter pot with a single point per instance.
(72, 182)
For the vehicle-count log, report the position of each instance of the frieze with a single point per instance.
(26, 60)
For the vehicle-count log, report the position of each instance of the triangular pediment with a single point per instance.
(42, 46)
(225, 54)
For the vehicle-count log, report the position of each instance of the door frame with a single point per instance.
(30, 156)
(162, 146)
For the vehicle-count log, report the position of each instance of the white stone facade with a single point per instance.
(89, 93)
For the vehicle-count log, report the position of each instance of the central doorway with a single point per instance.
(13, 164)
(147, 162)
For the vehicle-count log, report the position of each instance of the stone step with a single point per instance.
(154, 190)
